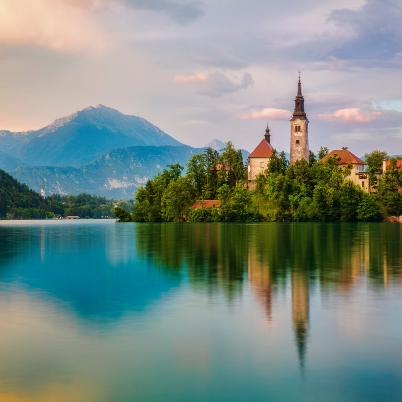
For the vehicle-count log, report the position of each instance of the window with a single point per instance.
(262, 164)
(297, 141)
(297, 129)
(363, 184)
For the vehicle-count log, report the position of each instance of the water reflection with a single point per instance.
(303, 257)
(92, 268)
(101, 312)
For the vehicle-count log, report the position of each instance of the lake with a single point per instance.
(99, 311)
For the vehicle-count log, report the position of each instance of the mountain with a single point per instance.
(82, 137)
(9, 162)
(11, 142)
(117, 174)
(215, 144)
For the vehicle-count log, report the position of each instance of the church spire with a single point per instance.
(299, 103)
(267, 134)
(299, 94)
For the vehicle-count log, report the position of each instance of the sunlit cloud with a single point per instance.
(184, 79)
(215, 84)
(57, 24)
(267, 114)
(351, 115)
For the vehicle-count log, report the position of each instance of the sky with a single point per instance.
(205, 69)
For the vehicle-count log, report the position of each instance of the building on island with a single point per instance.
(299, 129)
(259, 158)
(386, 164)
(345, 158)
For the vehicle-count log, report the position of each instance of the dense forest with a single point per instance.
(305, 191)
(17, 201)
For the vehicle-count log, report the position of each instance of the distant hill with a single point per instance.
(9, 163)
(16, 195)
(11, 142)
(82, 137)
(215, 144)
(117, 174)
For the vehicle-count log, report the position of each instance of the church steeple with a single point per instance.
(299, 129)
(299, 103)
(267, 135)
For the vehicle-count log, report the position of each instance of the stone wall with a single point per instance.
(298, 140)
(256, 166)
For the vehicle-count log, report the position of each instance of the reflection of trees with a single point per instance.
(12, 244)
(214, 256)
(332, 256)
(273, 256)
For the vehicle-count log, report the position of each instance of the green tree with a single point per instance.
(278, 163)
(322, 152)
(210, 189)
(311, 158)
(350, 197)
(122, 215)
(197, 173)
(232, 167)
(369, 209)
(176, 200)
(374, 162)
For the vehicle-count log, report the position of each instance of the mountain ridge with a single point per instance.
(90, 132)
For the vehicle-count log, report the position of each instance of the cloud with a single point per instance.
(182, 12)
(267, 114)
(56, 24)
(376, 30)
(184, 79)
(351, 115)
(215, 84)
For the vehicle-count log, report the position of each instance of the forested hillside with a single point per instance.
(17, 201)
(15, 196)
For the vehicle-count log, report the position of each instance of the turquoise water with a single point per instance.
(98, 311)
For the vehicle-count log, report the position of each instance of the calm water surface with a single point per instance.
(98, 311)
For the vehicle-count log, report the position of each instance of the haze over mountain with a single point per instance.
(9, 162)
(82, 137)
(117, 174)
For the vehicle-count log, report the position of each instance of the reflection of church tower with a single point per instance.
(299, 129)
(300, 312)
(259, 279)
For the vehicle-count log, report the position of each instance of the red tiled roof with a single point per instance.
(206, 204)
(263, 150)
(398, 164)
(345, 155)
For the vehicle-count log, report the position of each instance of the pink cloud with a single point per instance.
(58, 24)
(184, 79)
(351, 115)
(267, 113)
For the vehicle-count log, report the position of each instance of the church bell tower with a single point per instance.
(299, 129)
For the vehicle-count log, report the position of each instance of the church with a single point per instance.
(259, 158)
